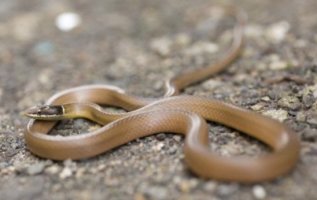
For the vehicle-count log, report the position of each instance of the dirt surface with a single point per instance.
(136, 45)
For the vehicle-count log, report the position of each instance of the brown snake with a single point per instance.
(173, 114)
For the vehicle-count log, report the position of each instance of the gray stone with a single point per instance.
(309, 135)
(312, 118)
(290, 102)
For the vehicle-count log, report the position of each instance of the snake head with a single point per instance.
(45, 112)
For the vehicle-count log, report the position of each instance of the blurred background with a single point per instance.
(48, 46)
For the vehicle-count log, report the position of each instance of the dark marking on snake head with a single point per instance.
(45, 111)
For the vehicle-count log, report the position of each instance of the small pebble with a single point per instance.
(266, 98)
(158, 146)
(290, 102)
(160, 136)
(276, 94)
(314, 90)
(177, 138)
(101, 167)
(80, 172)
(301, 116)
(277, 31)
(93, 127)
(187, 185)
(314, 107)
(309, 135)
(67, 21)
(184, 186)
(8, 170)
(312, 118)
(230, 148)
(69, 163)
(115, 162)
(257, 107)
(54, 169)
(308, 100)
(35, 169)
(278, 65)
(66, 172)
(279, 114)
(259, 192)
(172, 150)
(210, 186)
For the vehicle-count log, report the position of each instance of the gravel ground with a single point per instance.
(136, 45)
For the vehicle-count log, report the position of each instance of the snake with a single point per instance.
(175, 113)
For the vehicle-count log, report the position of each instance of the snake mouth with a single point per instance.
(45, 112)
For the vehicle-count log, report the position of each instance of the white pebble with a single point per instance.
(277, 32)
(278, 65)
(280, 114)
(259, 192)
(313, 89)
(67, 21)
(266, 98)
(52, 169)
(159, 146)
(67, 172)
(257, 107)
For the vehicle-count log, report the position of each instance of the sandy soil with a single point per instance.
(136, 45)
